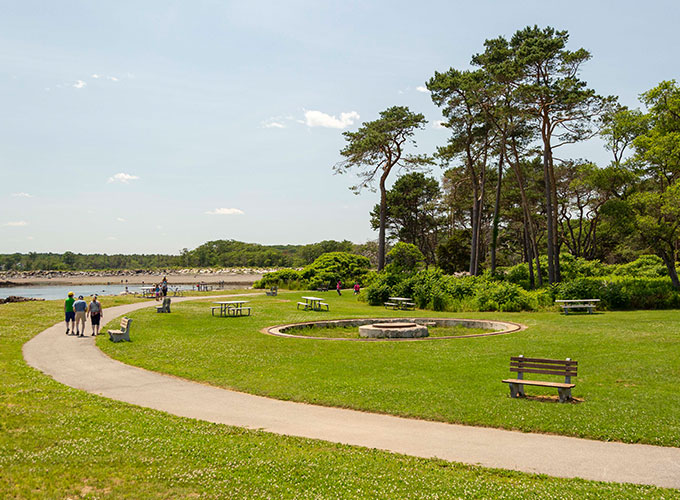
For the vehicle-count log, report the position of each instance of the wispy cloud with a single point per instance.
(120, 219)
(112, 78)
(225, 211)
(111, 238)
(423, 89)
(22, 195)
(19, 223)
(79, 84)
(122, 177)
(273, 125)
(95, 76)
(320, 119)
(438, 124)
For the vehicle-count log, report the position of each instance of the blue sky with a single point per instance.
(154, 126)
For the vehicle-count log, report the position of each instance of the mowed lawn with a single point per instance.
(58, 442)
(629, 366)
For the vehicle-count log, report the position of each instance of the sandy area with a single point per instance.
(245, 279)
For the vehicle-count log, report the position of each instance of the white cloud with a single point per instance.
(438, 124)
(320, 119)
(122, 177)
(422, 89)
(273, 124)
(30, 237)
(19, 223)
(22, 195)
(112, 78)
(79, 84)
(225, 211)
(120, 219)
(95, 76)
(111, 238)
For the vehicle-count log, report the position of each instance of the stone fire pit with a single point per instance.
(393, 331)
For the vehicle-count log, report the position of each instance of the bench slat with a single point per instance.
(539, 383)
(558, 368)
(545, 372)
(544, 360)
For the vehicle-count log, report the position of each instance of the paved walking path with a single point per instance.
(77, 362)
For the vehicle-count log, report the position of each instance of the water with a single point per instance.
(51, 292)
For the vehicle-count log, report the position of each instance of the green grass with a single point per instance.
(58, 442)
(629, 366)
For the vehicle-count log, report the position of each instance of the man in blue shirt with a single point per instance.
(80, 307)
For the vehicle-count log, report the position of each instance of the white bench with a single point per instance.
(589, 304)
(123, 333)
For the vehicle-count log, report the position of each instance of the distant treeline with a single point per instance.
(220, 253)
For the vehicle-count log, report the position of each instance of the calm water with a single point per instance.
(50, 292)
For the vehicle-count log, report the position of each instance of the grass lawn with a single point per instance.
(58, 442)
(629, 366)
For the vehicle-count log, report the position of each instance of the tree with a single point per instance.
(561, 105)
(413, 212)
(461, 95)
(377, 148)
(404, 258)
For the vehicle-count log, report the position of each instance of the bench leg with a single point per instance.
(565, 395)
(520, 390)
(513, 390)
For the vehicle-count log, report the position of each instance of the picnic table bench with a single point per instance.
(312, 304)
(231, 308)
(402, 303)
(589, 304)
(273, 291)
(563, 367)
(123, 333)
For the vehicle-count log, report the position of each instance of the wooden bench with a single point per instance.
(165, 308)
(323, 288)
(589, 304)
(391, 305)
(563, 367)
(303, 304)
(273, 291)
(123, 333)
(238, 311)
(323, 304)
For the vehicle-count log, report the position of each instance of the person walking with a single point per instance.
(357, 289)
(80, 308)
(94, 310)
(338, 287)
(69, 314)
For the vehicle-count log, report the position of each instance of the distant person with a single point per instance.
(80, 308)
(357, 288)
(157, 292)
(338, 287)
(94, 310)
(164, 288)
(70, 315)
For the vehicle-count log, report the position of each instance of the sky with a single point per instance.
(149, 127)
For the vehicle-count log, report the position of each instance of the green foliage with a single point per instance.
(453, 254)
(285, 278)
(404, 258)
(646, 266)
(617, 292)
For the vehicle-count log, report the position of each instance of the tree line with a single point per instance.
(219, 253)
(507, 194)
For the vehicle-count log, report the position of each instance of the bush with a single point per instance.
(290, 278)
(617, 292)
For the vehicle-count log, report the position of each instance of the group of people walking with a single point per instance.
(76, 312)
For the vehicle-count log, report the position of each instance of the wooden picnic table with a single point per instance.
(403, 303)
(148, 292)
(312, 303)
(567, 304)
(231, 308)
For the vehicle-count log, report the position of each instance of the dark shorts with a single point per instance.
(95, 317)
(70, 316)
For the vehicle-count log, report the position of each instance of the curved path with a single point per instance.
(77, 362)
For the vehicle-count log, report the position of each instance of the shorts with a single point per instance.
(80, 316)
(95, 317)
(70, 316)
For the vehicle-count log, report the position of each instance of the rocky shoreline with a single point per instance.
(235, 276)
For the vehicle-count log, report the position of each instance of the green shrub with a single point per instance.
(288, 278)
(617, 292)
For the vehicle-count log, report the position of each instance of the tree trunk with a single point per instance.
(549, 208)
(669, 260)
(496, 209)
(474, 245)
(381, 234)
